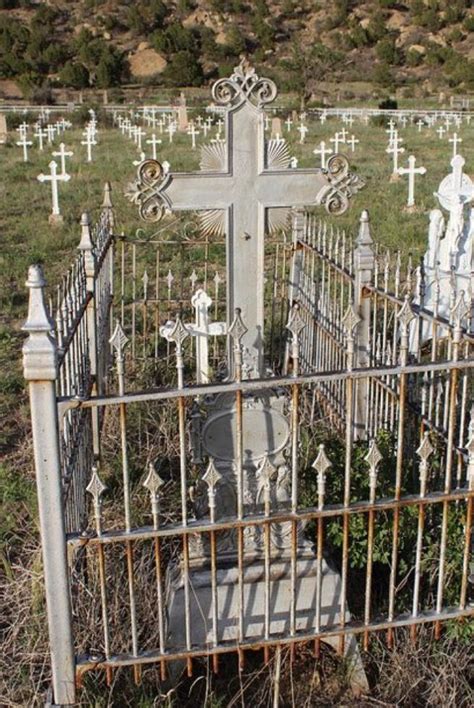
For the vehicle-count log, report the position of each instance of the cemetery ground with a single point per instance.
(423, 674)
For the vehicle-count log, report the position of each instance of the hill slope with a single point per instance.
(106, 43)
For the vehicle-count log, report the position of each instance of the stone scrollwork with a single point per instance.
(343, 184)
(147, 191)
(244, 85)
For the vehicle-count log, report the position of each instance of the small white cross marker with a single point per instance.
(352, 142)
(411, 171)
(24, 143)
(62, 153)
(54, 178)
(154, 141)
(323, 151)
(455, 140)
(193, 132)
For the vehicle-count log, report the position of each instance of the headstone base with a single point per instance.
(200, 609)
(411, 209)
(394, 177)
(55, 219)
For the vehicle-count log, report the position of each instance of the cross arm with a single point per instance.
(155, 191)
(332, 187)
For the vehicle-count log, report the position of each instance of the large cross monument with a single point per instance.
(238, 184)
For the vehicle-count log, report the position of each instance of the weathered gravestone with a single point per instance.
(449, 257)
(240, 184)
(183, 123)
(276, 128)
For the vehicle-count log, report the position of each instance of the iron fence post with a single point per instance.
(40, 370)
(86, 246)
(297, 235)
(364, 264)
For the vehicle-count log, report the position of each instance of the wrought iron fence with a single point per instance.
(191, 534)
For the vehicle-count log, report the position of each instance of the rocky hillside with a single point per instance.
(415, 45)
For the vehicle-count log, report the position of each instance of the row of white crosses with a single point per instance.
(394, 148)
(54, 177)
(49, 132)
(339, 138)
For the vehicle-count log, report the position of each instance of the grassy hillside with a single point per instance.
(416, 46)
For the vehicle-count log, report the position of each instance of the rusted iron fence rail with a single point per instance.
(379, 474)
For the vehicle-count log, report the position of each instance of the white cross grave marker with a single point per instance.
(193, 132)
(24, 143)
(171, 130)
(154, 141)
(89, 142)
(441, 131)
(50, 129)
(411, 171)
(202, 329)
(55, 216)
(395, 151)
(139, 135)
(62, 153)
(323, 151)
(336, 140)
(352, 142)
(455, 140)
(40, 134)
(22, 129)
(303, 129)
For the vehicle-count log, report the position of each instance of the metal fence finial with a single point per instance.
(107, 205)
(373, 459)
(212, 477)
(364, 237)
(107, 201)
(86, 243)
(96, 488)
(321, 464)
(295, 325)
(40, 349)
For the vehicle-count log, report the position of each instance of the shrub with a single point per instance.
(468, 23)
(75, 75)
(383, 75)
(111, 68)
(235, 41)
(414, 58)
(388, 104)
(387, 52)
(183, 70)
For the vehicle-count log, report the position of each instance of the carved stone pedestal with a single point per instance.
(254, 605)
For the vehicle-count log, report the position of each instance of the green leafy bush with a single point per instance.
(75, 75)
(183, 70)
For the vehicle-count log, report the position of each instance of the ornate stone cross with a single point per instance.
(238, 192)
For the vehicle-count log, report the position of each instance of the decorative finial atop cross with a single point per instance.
(242, 186)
